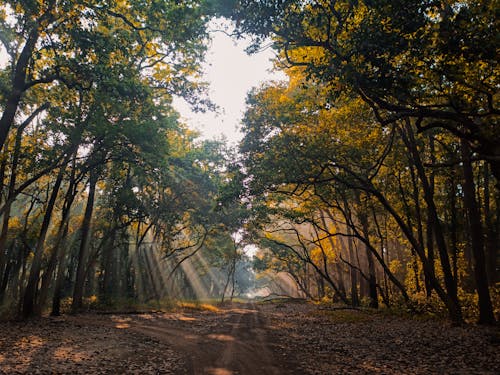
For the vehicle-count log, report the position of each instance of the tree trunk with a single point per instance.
(32, 286)
(3, 167)
(491, 235)
(372, 278)
(430, 219)
(452, 305)
(108, 255)
(340, 276)
(420, 232)
(449, 281)
(486, 315)
(353, 271)
(12, 186)
(22, 256)
(84, 245)
(490, 149)
(3, 250)
(59, 285)
(58, 249)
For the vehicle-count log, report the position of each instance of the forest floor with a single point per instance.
(246, 339)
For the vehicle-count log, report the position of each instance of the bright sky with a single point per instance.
(231, 73)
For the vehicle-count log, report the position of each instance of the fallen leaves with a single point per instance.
(314, 340)
(358, 342)
(78, 346)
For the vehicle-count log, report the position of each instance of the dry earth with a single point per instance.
(246, 339)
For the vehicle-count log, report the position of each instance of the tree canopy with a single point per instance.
(371, 176)
(432, 61)
(386, 130)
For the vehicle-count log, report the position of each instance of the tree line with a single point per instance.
(372, 174)
(101, 182)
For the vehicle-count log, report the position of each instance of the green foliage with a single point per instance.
(97, 79)
(430, 60)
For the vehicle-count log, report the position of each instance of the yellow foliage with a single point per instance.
(197, 306)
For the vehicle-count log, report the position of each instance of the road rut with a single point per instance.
(238, 344)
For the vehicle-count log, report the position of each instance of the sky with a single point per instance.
(231, 73)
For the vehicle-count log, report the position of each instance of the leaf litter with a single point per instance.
(308, 338)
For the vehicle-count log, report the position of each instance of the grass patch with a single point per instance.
(345, 315)
(121, 305)
(197, 306)
(128, 305)
(271, 300)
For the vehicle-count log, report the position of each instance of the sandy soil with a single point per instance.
(246, 339)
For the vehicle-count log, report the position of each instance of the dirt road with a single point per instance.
(189, 341)
(236, 344)
(247, 339)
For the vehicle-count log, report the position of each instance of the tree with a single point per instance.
(418, 67)
(296, 148)
(91, 84)
(68, 42)
(433, 61)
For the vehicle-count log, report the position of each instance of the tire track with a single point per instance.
(237, 346)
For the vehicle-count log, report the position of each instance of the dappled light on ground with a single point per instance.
(198, 306)
(30, 342)
(82, 345)
(70, 353)
(186, 318)
(251, 339)
(219, 371)
(242, 311)
(221, 337)
(121, 323)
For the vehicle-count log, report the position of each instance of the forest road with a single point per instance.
(237, 344)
